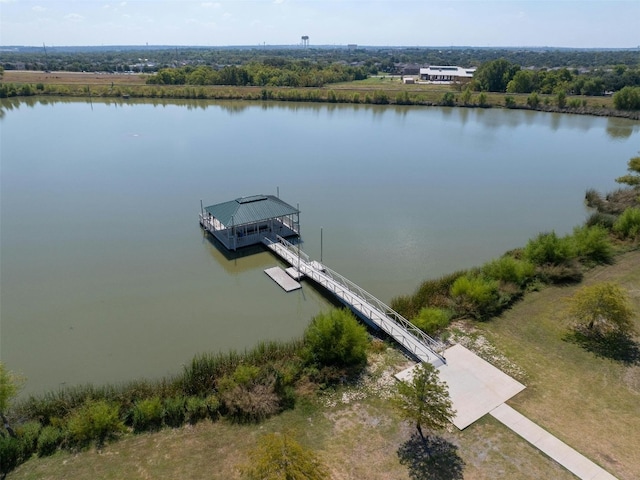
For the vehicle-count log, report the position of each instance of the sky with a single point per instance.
(555, 23)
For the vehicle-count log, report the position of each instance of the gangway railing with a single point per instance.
(378, 312)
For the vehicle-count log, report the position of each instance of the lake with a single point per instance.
(106, 275)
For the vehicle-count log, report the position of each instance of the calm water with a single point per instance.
(106, 276)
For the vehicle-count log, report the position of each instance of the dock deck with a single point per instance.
(283, 279)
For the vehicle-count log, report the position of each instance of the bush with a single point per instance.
(94, 421)
(28, 434)
(605, 220)
(448, 99)
(561, 274)
(510, 270)
(533, 100)
(49, 440)
(248, 397)
(627, 98)
(174, 411)
(213, 406)
(147, 415)
(548, 248)
(431, 293)
(509, 101)
(10, 454)
(474, 295)
(592, 244)
(628, 224)
(196, 409)
(432, 320)
(336, 339)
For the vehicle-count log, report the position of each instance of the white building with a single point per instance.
(446, 74)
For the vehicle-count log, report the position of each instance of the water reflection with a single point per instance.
(243, 260)
(617, 128)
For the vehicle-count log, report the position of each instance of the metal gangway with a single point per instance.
(368, 307)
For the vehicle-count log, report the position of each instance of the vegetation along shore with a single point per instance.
(594, 83)
(330, 394)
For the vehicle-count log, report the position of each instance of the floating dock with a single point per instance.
(281, 277)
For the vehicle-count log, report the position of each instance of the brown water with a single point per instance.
(105, 274)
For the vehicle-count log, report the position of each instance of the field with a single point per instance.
(592, 403)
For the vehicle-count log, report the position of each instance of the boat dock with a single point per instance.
(283, 279)
(366, 306)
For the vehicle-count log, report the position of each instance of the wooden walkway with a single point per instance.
(365, 305)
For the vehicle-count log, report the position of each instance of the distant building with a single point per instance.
(446, 74)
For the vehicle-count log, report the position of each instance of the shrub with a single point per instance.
(448, 99)
(147, 415)
(627, 98)
(10, 454)
(509, 269)
(628, 224)
(431, 320)
(548, 248)
(380, 97)
(474, 295)
(49, 440)
(213, 406)
(431, 293)
(509, 101)
(533, 100)
(28, 434)
(592, 243)
(196, 409)
(605, 220)
(560, 274)
(95, 420)
(252, 401)
(336, 339)
(174, 411)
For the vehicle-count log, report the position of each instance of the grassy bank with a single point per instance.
(375, 90)
(590, 402)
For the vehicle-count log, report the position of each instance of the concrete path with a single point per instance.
(476, 388)
(562, 453)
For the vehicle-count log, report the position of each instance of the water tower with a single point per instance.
(305, 41)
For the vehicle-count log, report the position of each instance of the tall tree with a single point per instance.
(279, 457)
(494, 76)
(425, 400)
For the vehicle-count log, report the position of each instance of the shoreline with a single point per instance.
(28, 83)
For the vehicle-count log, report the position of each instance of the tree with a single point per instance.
(10, 385)
(424, 400)
(601, 309)
(628, 98)
(278, 457)
(495, 75)
(633, 178)
(336, 339)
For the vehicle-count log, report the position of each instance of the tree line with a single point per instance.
(271, 72)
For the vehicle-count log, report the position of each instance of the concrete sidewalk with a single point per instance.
(562, 453)
(476, 388)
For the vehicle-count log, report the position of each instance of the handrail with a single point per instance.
(324, 275)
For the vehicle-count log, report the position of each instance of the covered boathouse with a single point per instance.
(246, 221)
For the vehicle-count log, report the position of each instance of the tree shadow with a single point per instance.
(616, 346)
(432, 459)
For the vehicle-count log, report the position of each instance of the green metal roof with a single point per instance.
(256, 208)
